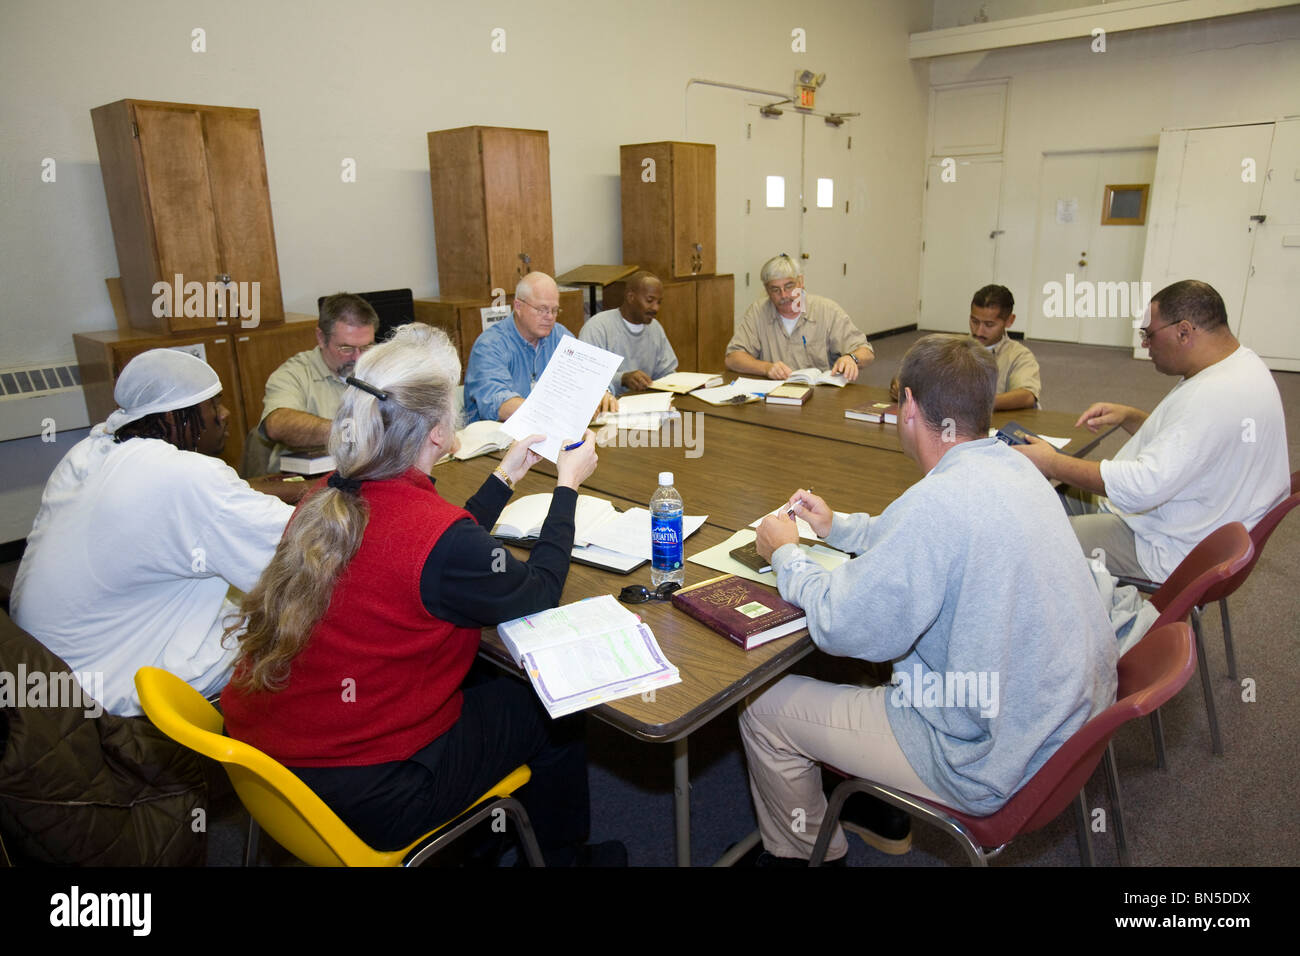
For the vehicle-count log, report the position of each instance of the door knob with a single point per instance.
(1083, 262)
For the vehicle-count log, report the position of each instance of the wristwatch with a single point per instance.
(500, 472)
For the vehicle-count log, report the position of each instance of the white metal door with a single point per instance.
(1089, 273)
(1270, 312)
(773, 151)
(1200, 225)
(959, 252)
(832, 199)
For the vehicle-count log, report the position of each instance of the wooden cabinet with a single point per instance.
(188, 196)
(697, 318)
(260, 353)
(670, 220)
(491, 208)
(241, 360)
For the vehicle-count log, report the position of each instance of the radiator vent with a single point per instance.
(37, 398)
(27, 382)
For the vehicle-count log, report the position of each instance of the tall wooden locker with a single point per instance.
(188, 196)
(491, 208)
(670, 208)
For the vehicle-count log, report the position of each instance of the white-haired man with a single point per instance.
(791, 329)
(140, 534)
(509, 358)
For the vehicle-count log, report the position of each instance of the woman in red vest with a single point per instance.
(361, 633)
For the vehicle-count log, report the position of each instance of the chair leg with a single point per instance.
(252, 845)
(527, 838)
(1116, 804)
(1227, 638)
(1081, 828)
(829, 821)
(1158, 738)
(1216, 741)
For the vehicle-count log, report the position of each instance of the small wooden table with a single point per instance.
(595, 277)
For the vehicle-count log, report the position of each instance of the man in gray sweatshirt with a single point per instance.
(972, 584)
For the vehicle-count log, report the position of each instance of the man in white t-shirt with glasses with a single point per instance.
(1214, 450)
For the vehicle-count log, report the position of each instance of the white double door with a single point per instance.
(801, 150)
(1226, 210)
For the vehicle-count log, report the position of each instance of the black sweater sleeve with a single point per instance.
(471, 580)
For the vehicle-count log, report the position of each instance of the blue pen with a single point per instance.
(576, 444)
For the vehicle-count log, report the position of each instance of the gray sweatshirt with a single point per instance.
(973, 583)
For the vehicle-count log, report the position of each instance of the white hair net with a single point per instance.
(160, 380)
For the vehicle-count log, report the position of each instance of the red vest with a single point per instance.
(380, 676)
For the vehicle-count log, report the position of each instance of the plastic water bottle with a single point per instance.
(666, 533)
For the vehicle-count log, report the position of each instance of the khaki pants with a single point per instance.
(1099, 530)
(795, 724)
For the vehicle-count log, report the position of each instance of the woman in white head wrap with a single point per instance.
(138, 539)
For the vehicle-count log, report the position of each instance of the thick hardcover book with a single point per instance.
(745, 613)
(874, 412)
(790, 394)
(309, 463)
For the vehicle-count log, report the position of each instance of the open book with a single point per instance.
(587, 653)
(481, 438)
(602, 536)
(523, 518)
(813, 376)
(683, 382)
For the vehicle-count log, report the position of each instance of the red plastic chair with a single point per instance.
(1149, 674)
(1259, 536)
(1211, 565)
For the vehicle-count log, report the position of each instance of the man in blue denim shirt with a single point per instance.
(509, 358)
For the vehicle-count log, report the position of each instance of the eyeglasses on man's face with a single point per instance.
(1147, 334)
(551, 310)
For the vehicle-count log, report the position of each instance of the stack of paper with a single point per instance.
(648, 411)
(739, 391)
(587, 653)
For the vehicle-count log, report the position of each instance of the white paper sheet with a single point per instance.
(563, 400)
(723, 394)
(629, 533)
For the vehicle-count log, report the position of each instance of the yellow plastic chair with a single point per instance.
(287, 808)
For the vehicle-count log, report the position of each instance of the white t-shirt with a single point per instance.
(1214, 451)
(129, 561)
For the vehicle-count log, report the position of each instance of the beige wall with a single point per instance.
(336, 79)
(1065, 97)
